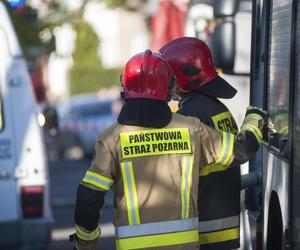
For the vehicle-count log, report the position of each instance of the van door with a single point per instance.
(8, 159)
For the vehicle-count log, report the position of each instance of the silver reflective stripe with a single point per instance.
(220, 224)
(186, 188)
(156, 228)
(93, 178)
(222, 161)
(130, 191)
(88, 236)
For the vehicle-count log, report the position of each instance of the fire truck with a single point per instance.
(272, 185)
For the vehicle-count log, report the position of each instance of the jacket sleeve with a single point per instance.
(221, 149)
(250, 136)
(217, 150)
(97, 181)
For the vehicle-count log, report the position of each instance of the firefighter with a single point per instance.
(198, 90)
(151, 159)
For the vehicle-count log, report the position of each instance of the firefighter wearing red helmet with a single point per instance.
(151, 159)
(199, 88)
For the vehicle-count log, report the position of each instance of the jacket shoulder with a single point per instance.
(185, 121)
(109, 133)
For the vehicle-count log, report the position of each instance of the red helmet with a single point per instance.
(147, 75)
(191, 61)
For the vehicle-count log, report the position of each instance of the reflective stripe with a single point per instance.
(186, 182)
(130, 193)
(212, 168)
(281, 118)
(220, 224)
(284, 130)
(87, 236)
(156, 228)
(97, 180)
(221, 163)
(253, 116)
(225, 235)
(227, 148)
(255, 130)
(225, 122)
(160, 240)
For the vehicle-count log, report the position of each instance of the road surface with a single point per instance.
(64, 178)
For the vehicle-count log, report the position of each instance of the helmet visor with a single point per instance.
(219, 88)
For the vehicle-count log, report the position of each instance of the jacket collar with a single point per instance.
(145, 113)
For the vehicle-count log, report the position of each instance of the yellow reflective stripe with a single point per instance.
(253, 116)
(219, 236)
(212, 168)
(224, 141)
(230, 150)
(183, 184)
(130, 193)
(87, 235)
(225, 122)
(227, 148)
(281, 117)
(159, 240)
(101, 177)
(191, 164)
(284, 130)
(224, 157)
(155, 142)
(97, 180)
(127, 196)
(255, 130)
(135, 200)
(186, 183)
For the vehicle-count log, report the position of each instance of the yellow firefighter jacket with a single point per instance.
(154, 174)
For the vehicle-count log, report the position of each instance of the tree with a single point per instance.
(58, 12)
(87, 73)
(28, 28)
(115, 3)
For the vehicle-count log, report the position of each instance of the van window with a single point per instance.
(279, 72)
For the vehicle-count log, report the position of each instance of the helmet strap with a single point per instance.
(171, 86)
(122, 92)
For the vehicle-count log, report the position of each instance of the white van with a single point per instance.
(25, 215)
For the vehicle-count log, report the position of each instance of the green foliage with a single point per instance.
(86, 46)
(115, 3)
(87, 73)
(27, 28)
(91, 80)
